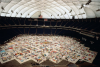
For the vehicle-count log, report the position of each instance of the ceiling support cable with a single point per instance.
(14, 30)
(72, 24)
(29, 28)
(28, 31)
(56, 23)
(50, 23)
(31, 23)
(43, 31)
(55, 31)
(36, 30)
(20, 31)
(37, 22)
(66, 23)
(51, 31)
(24, 30)
(5, 18)
(61, 23)
(59, 32)
(77, 24)
(19, 21)
(24, 20)
(13, 22)
(44, 23)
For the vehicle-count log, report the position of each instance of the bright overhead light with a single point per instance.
(84, 5)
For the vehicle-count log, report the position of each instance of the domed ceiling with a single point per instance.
(55, 9)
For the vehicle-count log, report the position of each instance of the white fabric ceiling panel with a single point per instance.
(89, 13)
(4, 4)
(68, 9)
(6, 1)
(57, 9)
(94, 8)
(54, 13)
(27, 13)
(0, 10)
(65, 13)
(32, 12)
(45, 15)
(36, 14)
(49, 14)
(75, 10)
(12, 3)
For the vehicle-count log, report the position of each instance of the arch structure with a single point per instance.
(51, 9)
